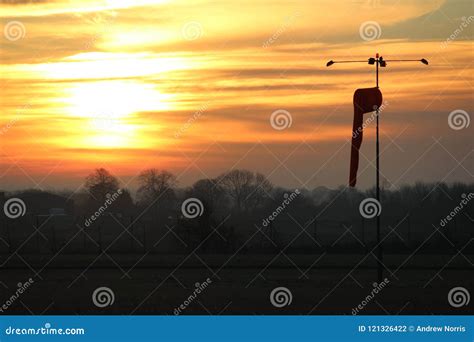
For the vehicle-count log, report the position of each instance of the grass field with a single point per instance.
(158, 284)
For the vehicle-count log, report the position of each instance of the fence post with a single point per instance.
(315, 229)
(144, 237)
(409, 230)
(9, 240)
(362, 224)
(53, 238)
(84, 235)
(100, 236)
(37, 234)
(132, 245)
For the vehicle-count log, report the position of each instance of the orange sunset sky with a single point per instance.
(190, 86)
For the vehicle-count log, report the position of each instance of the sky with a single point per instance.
(201, 87)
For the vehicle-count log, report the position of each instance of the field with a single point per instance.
(241, 284)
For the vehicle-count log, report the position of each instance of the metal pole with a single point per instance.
(378, 61)
(377, 182)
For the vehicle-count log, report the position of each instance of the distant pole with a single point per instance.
(37, 234)
(379, 62)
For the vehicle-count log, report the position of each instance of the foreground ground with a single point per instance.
(159, 284)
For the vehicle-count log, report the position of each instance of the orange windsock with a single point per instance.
(365, 100)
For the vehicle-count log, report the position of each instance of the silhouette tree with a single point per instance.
(124, 204)
(248, 190)
(210, 193)
(156, 186)
(100, 183)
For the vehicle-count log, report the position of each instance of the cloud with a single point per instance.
(437, 24)
(24, 2)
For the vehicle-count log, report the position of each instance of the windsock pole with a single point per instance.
(377, 178)
(378, 61)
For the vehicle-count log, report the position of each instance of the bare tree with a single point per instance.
(210, 192)
(247, 189)
(100, 183)
(156, 186)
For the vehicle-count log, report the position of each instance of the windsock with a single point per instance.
(366, 100)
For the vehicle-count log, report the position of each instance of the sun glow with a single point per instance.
(116, 99)
(108, 109)
(98, 65)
